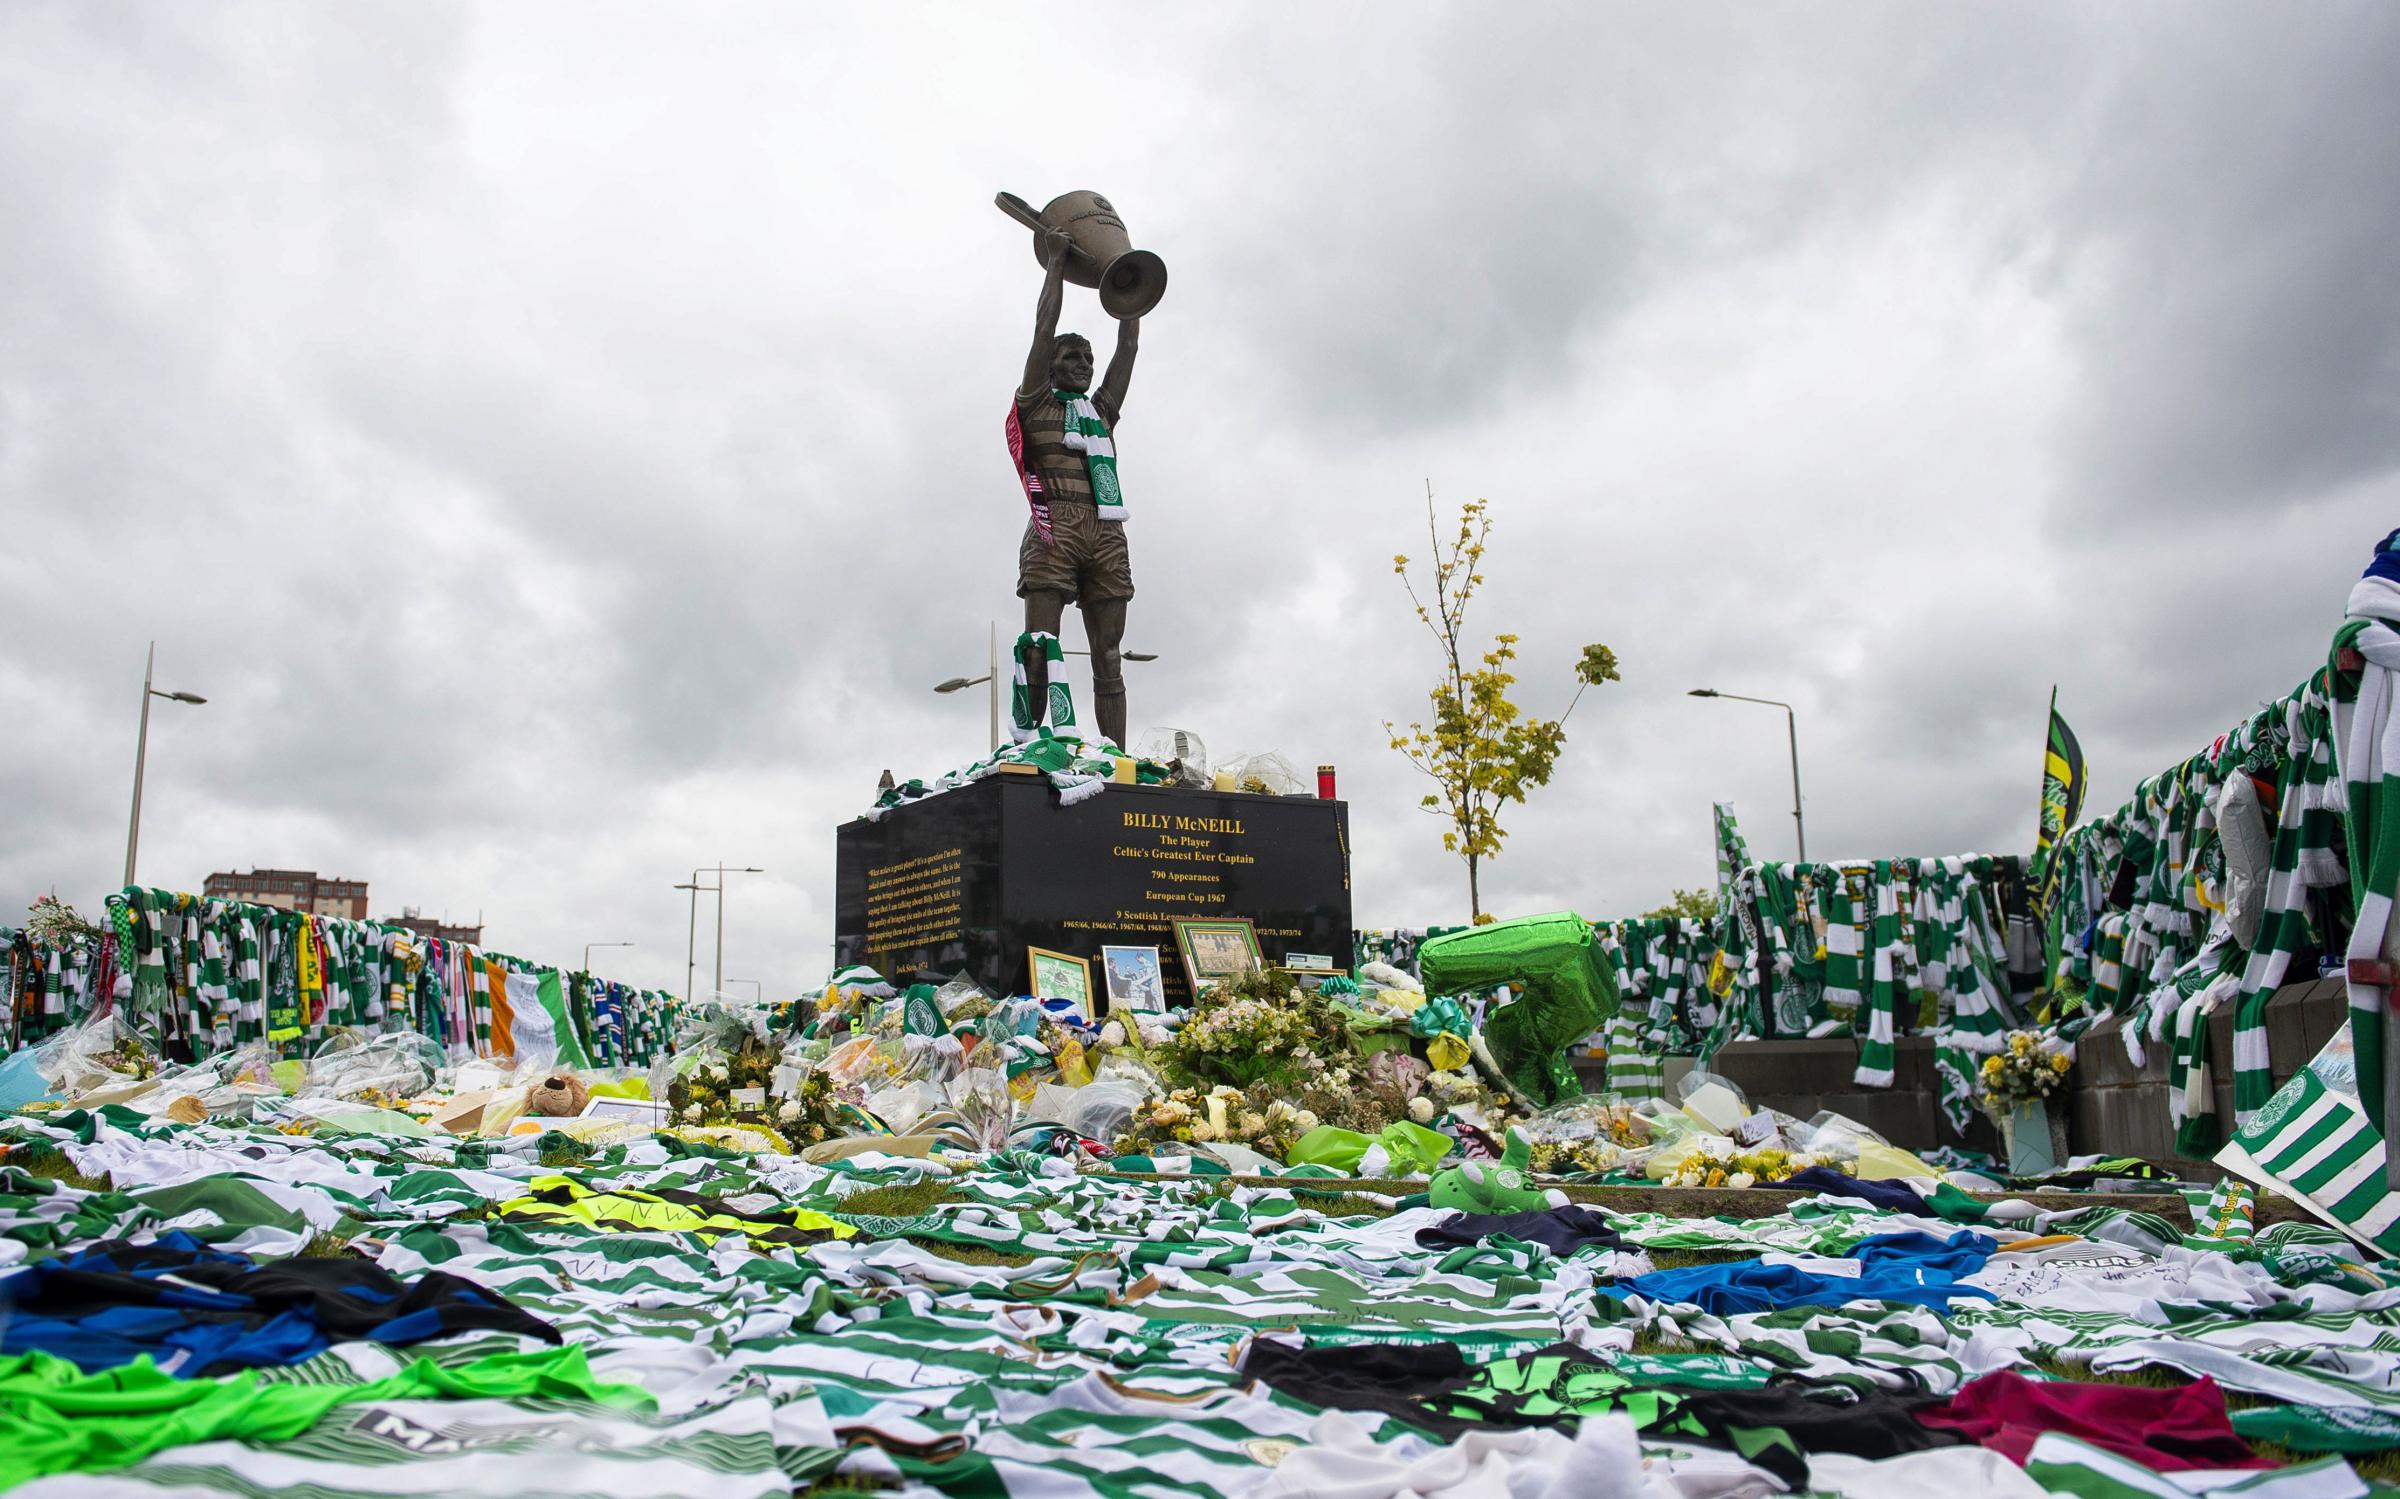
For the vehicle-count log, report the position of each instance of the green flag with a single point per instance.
(2062, 803)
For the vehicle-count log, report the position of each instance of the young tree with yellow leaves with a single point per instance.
(1481, 751)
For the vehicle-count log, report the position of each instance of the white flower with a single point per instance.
(715, 1073)
(1741, 1179)
(1305, 1120)
(1113, 1033)
(691, 1114)
(790, 1111)
(1420, 1109)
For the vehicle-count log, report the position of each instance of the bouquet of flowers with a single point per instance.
(813, 1113)
(705, 1091)
(2027, 1070)
(1462, 1092)
(1593, 1156)
(1191, 1117)
(1743, 1168)
(1259, 1028)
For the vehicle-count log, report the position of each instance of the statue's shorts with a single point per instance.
(1087, 560)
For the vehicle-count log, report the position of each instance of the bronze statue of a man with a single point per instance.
(1061, 433)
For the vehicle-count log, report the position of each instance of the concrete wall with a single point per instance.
(2118, 1108)
(2113, 1108)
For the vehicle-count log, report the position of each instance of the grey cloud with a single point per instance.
(565, 448)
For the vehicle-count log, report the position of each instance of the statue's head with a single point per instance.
(1071, 362)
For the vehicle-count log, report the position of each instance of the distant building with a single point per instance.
(428, 926)
(292, 890)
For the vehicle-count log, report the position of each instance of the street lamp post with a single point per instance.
(587, 951)
(1791, 725)
(691, 939)
(141, 753)
(691, 961)
(722, 871)
(991, 676)
(758, 991)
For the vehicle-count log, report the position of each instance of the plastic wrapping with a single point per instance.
(101, 1052)
(903, 1105)
(723, 1020)
(1665, 1159)
(1712, 1101)
(1179, 747)
(228, 1085)
(1829, 1133)
(1101, 1109)
(958, 991)
(1385, 976)
(384, 1068)
(1265, 773)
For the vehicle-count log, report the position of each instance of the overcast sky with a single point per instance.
(563, 442)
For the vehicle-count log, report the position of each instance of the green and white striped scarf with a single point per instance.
(1883, 998)
(2368, 732)
(1087, 433)
(1843, 940)
(1057, 718)
(2306, 834)
(1632, 1071)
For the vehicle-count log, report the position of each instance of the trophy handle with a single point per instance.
(1023, 212)
(1020, 210)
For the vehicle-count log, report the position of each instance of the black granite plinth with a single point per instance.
(967, 880)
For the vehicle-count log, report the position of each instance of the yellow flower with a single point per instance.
(2060, 1062)
(2020, 1043)
(1992, 1065)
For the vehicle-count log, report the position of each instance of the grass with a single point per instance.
(50, 1163)
(1340, 1204)
(972, 1254)
(907, 1200)
(842, 1483)
(1677, 1259)
(327, 1246)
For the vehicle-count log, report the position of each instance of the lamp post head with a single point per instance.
(179, 697)
(1141, 655)
(1702, 692)
(955, 683)
(750, 869)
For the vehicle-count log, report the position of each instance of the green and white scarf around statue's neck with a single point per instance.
(1057, 718)
(1087, 433)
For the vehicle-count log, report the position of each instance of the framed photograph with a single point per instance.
(638, 1110)
(1215, 948)
(1058, 975)
(1133, 978)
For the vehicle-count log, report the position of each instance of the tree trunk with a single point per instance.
(1474, 894)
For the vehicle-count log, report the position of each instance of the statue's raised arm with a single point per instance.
(1111, 394)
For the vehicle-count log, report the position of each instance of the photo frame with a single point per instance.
(1059, 975)
(1133, 979)
(1215, 948)
(637, 1110)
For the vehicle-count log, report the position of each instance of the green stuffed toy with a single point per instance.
(1494, 1188)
